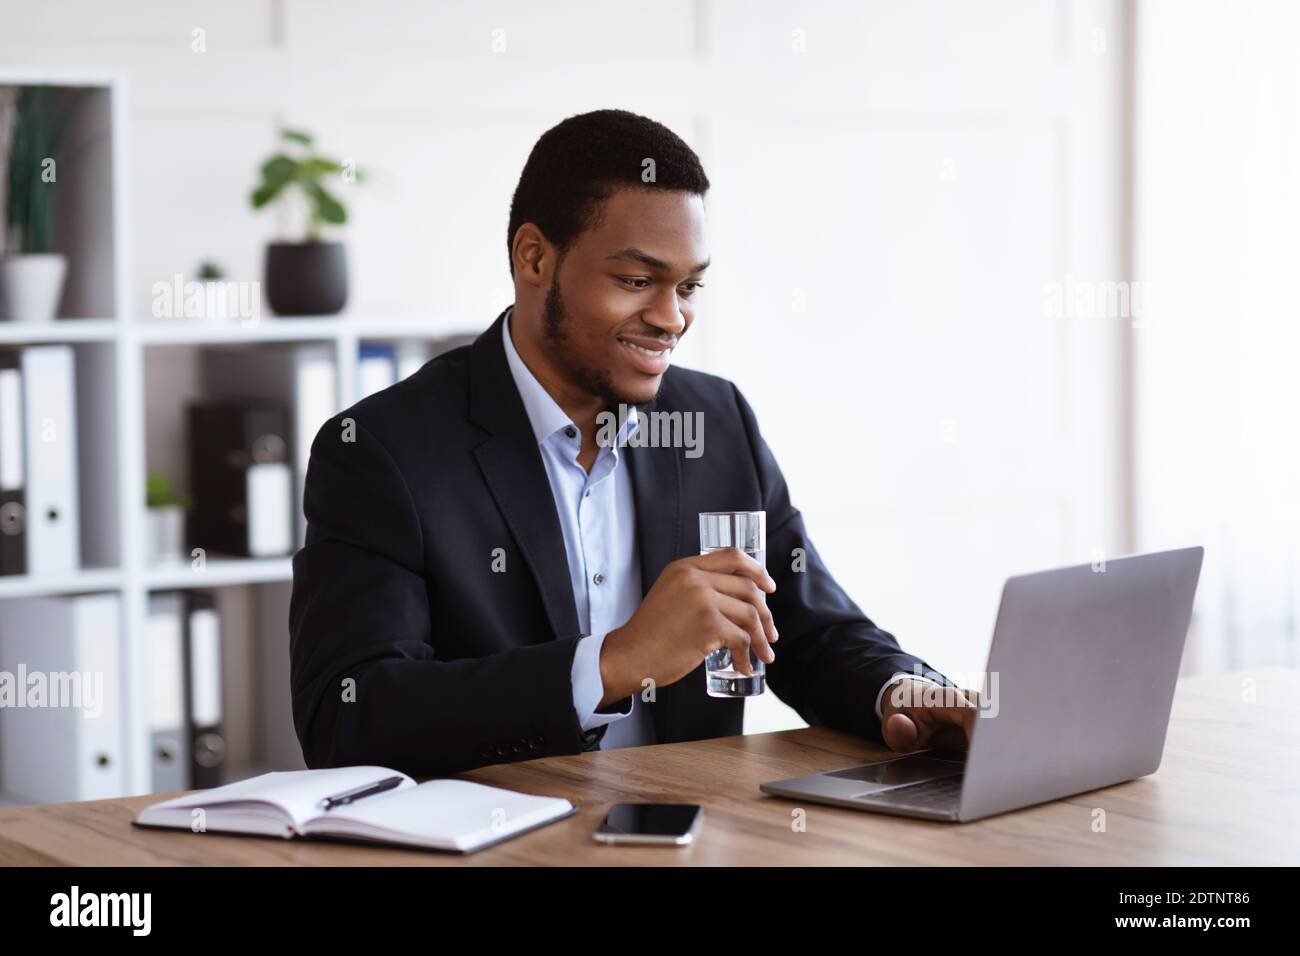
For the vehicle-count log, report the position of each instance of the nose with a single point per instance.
(666, 314)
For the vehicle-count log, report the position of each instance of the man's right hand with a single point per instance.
(698, 605)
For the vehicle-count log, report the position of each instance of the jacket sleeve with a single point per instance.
(366, 686)
(831, 661)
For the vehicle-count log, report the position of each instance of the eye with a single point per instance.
(629, 282)
(694, 286)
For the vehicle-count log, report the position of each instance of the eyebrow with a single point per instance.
(646, 259)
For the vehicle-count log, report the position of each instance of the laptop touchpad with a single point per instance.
(898, 773)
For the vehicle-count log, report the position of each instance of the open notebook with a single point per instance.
(455, 815)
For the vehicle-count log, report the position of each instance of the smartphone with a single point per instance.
(662, 824)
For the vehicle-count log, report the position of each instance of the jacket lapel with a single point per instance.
(657, 490)
(512, 467)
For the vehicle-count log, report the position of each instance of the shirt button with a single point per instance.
(599, 578)
(571, 432)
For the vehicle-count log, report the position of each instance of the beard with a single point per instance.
(559, 348)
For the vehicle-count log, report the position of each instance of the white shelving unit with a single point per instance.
(114, 348)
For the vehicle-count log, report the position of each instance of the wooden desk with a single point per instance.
(1226, 793)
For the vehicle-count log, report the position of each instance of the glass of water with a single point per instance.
(746, 530)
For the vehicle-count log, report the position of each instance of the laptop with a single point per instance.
(1080, 683)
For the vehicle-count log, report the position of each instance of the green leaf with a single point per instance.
(264, 193)
(296, 136)
(279, 168)
(277, 171)
(328, 209)
(320, 166)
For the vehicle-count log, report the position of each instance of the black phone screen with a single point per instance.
(651, 819)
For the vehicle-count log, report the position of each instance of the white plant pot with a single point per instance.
(30, 286)
(215, 304)
(166, 535)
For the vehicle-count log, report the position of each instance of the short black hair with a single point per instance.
(576, 165)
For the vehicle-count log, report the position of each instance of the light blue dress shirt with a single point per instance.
(598, 518)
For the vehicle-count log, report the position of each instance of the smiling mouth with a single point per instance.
(650, 358)
(655, 353)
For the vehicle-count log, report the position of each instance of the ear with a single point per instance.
(532, 254)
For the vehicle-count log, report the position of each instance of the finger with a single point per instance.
(900, 733)
(735, 561)
(736, 640)
(745, 616)
(948, 724)
(746, 590)
(942, 737)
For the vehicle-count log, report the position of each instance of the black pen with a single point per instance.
(348, 796)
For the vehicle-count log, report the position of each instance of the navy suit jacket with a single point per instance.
(409, 651)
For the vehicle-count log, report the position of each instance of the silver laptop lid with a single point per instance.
(1081, 679)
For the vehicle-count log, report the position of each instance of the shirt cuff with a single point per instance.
(589, 688)
(894, 678)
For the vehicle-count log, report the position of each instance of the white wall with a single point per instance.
(1217, 240)
(896, 186)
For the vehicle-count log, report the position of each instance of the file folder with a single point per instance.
(203, 663)
(50, 439)
(66, 742)
(241, 479)
(302, 377)
(168, 733)
(13, 470)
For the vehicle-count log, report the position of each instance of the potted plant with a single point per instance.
(308, 277)
(33, 120)
(166, 538)
(216, 304)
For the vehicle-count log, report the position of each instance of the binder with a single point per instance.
(71, 646)
(241, 480)
(411, 354)
(376, 368)
(302, 377)
(207, 738)
(50, 440)
(169, 738)
(13, 498)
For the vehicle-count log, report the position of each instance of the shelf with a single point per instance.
(279, 329)
(67, 582)
(60, 330)
(219, 572)
(136, 373)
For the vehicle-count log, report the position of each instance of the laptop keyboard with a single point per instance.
(940, 794)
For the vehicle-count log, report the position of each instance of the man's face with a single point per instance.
(623, 294)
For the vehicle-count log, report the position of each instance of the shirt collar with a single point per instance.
(544, 414)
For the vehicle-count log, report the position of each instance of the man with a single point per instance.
(486, 580)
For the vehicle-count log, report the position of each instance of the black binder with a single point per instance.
(13, 472)
(205, 717)
(226, 440)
